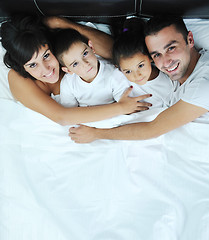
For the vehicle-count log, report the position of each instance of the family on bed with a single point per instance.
(83, 87)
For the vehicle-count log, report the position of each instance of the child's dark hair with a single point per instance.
(22, 36)
(63, 39)
(158, 22)
(130, 42)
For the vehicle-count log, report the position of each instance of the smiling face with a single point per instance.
(81, 60)
(43, 66)
(171, 53)
(136, 68)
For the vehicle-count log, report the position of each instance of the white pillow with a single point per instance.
(4, 85)
(200, 30)
(100, 26)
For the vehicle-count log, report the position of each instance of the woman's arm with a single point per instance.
(32, 96)
(101, 41)
(176, 116)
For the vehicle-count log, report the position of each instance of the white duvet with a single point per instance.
(52, 188)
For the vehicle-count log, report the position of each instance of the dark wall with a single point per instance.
(105, 10)
(79, 9)
(186, 8)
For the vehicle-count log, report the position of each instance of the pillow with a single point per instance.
(4, 85)
(200, 30)
(100, 26)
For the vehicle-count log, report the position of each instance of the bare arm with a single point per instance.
(176, 116)
(32, 96)
(102, 42)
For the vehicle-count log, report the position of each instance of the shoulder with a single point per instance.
(105, 64)
(203, 60)
(201, 69)
(165, 79)
(44, 86)
(68, 77)
(162, 76)
(66, 80)
(69, 82)
(106, 69)
(16, 80)
(12, 73)
(22, 87)
(116, 73)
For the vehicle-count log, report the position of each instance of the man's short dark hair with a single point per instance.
(158, 22)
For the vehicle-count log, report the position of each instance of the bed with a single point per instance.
(52, 188)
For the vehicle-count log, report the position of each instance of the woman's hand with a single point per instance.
(57, 22)
(101, 41)
(83, 134)
(133, 104)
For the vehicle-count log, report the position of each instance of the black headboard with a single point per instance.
(106, 10)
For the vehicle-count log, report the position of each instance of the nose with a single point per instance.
(166, 60)
(136, 75)
(46, 68)
(85, 63)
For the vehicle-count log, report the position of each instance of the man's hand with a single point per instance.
(82, 134)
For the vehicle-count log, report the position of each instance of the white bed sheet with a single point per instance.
(52, 188)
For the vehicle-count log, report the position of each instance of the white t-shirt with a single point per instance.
(107, 87)
(195, 89)
(161, 88)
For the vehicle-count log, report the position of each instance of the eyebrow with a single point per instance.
(166, 46)
(125, 69)
(81, 54)
(28, 64)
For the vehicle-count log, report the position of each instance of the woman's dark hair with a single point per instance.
(130, 41)
(63, 39)
(22, 36)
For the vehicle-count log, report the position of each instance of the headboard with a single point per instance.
(106, 11)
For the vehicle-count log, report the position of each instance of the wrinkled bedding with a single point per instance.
(52, 188)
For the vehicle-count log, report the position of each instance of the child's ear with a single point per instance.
(65, 69)
(91, 45)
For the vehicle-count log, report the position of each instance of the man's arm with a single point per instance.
(176, 116)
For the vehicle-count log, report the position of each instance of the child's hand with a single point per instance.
(133, 104)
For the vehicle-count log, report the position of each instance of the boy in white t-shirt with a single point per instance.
(89, 80)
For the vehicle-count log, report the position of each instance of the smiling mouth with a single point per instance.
(172, 69)
(90, 69)
(50, 74)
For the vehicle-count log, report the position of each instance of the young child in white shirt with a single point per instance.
(88, 80)
(131, 56)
